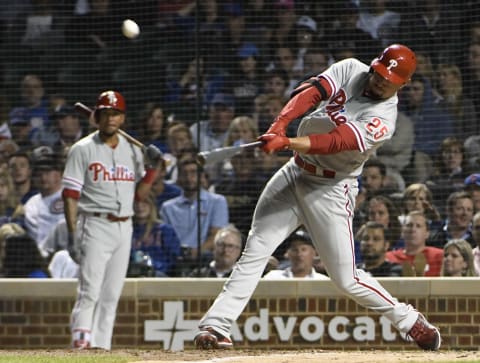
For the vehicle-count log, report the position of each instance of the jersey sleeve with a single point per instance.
(372, 130)
(341, 72)
(73, 175)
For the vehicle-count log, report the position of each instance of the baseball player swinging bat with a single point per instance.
(87, 111)
(222, 153)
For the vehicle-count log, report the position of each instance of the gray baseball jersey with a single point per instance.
(106, 178)
(324, 204)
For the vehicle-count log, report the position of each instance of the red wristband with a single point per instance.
(149, 177)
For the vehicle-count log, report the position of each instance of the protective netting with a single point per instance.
(231, 66)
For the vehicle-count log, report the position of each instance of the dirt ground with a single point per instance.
(317, 356)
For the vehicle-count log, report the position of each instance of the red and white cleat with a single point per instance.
(425, 334)
(207, 339)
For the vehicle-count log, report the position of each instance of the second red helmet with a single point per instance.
(111, 99)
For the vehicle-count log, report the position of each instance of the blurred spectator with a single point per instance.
(285, 60)
(283, 22)
(471, 76)
(21, 128)
(373, 246)
(316, 60)
(22, 175)
(381, 209)
(457, 224)
(425, 69)
(179, 140)
(458, 259)
(476, 238)
(242, 129)
(7, 230)
(155, 239)
(246, 80)
(380, 22)
(181, 212)
(418, 197)
(472, 153)
(417, 258)
(276, 83)
(344, 34)
(372, 183)
(434, 27)
(211, 134)
(45, 209)
(227, 249)
(161, 190)
(305, 38)
(153, 127)
(7, 148)
(242, 188)
(472, 186)
(23, 258)
(423, 106)
(35, 101)
(214, 130)
(455, 102)
(449, 171)
(9, 205)
(396, 152)
(301, 255)
(65, 130)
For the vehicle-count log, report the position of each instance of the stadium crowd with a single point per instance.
(418, 209)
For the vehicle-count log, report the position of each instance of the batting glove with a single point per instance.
(153, 157)
(277, 128)
(273, 142)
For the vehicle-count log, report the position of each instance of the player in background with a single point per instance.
(103, 175)
(354, 111)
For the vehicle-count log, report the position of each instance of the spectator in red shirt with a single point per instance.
(417, 258)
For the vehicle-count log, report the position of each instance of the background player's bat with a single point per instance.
(222, 153)
(87, 111)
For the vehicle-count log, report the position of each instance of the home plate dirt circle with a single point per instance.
(315, 356)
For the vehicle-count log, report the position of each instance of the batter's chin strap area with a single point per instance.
(311, 82)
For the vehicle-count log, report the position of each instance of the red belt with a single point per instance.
(110, 217)
(330, 174)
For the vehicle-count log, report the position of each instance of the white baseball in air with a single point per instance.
(130, 29)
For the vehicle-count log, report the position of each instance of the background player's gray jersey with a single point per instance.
(105, 176)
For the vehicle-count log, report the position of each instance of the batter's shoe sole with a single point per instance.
(425, 334)
(209, 339)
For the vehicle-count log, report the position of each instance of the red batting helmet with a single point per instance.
(397, 63)
(111, 99)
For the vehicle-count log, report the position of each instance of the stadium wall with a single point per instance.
(163, 314)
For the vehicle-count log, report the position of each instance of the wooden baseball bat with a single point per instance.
(87, 111)
(222, 153)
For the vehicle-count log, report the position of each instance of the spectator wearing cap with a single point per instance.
(301, 255)
(247, 79)
(45, 209)
(472, 186)
(20, 127)
(305, 31)
(65, 130)
(211, 133)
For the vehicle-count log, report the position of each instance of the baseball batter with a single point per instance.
(355, 112)
(103, 174)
